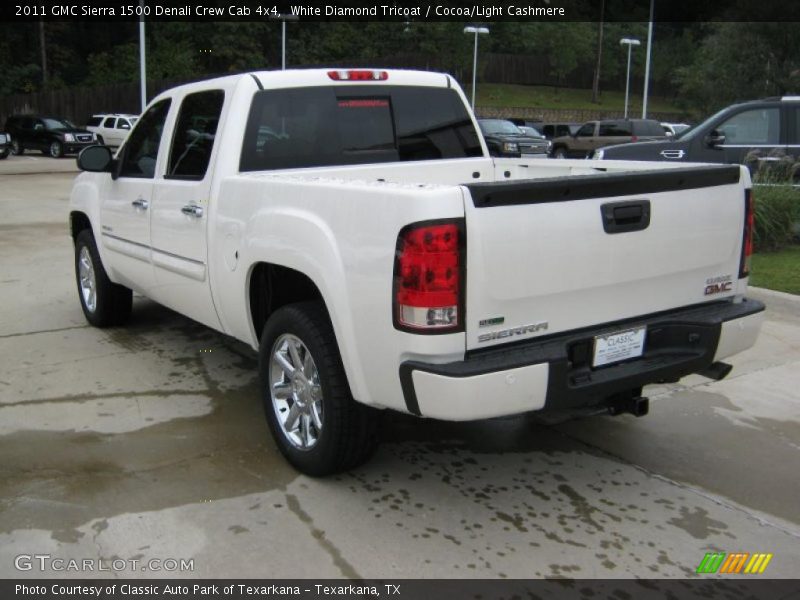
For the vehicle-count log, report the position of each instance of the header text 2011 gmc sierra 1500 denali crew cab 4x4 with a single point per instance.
(352, 227)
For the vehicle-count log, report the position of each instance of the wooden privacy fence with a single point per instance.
(79, 103)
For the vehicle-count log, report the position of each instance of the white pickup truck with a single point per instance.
(351, 226)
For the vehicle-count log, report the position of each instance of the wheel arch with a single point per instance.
(78, 221)
(272, 286)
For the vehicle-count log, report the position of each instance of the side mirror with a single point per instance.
(715, 139)
(97, 159)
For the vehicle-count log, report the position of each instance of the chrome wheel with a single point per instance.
(87, 280)
(296, 393)
(55, 150)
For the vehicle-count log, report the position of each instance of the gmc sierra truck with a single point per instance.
(351, 226)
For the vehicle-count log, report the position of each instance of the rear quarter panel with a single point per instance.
(341, 234)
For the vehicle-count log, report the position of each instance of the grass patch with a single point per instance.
(777, 270)
(536, 96)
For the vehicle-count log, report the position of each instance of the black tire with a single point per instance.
(348, 433)
(113, 302)
(560, 152)
(4, 154)
(56, 149)
(17, 149)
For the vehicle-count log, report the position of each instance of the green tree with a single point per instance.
(741, 61)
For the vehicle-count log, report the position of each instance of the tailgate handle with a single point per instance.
(622, 217)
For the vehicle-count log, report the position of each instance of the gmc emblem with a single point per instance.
(718, 288)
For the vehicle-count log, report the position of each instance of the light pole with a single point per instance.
(283, 19)
(142, 59)
(647, 61)
(630, 43)
(476, 31)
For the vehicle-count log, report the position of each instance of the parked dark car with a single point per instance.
(51, 135)
(596, 134)
(506, 139)
(5, 145)
(749, 133)
(554, 130)
(520, 122)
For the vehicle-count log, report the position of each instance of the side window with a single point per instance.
(586, 131)
(110, 122)
(755, 126)
(794, 135)
(194, 135)
(615, 129)
(141, 149)
(123, 124)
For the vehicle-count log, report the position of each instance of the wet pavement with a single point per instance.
(149, 442)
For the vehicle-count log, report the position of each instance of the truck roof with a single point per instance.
(325, 76)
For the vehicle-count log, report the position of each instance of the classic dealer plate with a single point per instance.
(615, 347)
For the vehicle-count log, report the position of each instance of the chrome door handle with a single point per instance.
(140, 203)
(192, 210)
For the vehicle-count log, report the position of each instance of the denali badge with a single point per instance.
(489, 322)
(496, 335)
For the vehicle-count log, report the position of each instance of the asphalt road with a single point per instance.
(148, 442)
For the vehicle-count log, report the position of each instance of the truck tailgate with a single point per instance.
(552, 255)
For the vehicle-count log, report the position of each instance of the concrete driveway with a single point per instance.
(148, 443)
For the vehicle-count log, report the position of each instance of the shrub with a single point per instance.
(777, 213)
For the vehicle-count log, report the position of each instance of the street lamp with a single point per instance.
(142, 59)
(629, 42)
(283, 19)
(476, 31)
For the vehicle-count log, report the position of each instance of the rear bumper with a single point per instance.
(555, 372)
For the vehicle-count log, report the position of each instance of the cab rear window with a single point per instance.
(346, 125)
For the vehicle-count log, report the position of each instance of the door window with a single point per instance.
(141, 150)
(758, 126)
(123, 124)
(615, 129)
(194, 135)
(109, 122)
(586, 131)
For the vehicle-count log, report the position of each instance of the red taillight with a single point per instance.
(358, 75)
(749, 226)
(428, 277)
(634, 138)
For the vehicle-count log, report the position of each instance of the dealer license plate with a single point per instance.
(615, 347)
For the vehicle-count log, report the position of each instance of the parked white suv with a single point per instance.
(111, 129)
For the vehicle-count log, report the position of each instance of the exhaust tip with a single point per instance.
(716, 371)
